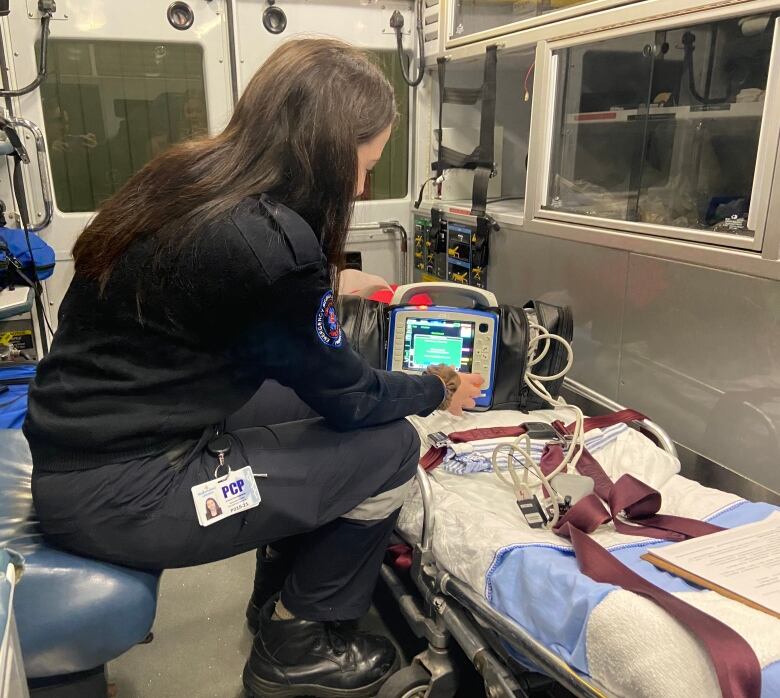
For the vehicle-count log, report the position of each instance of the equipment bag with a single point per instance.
(15, 379)
(18, 267)
(512, 362)
(511, 358)
(365, 324)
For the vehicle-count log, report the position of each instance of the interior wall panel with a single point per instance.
(701, 355)
(592, 280)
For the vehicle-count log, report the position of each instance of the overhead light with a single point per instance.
(274, 18)
(180, 16)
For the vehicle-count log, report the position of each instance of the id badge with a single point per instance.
(227, 495)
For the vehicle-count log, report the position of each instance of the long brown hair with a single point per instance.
(293, 135)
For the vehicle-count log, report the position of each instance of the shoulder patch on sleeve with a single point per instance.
(327, 324)
(303, 242)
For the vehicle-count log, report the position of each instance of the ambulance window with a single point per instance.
(389, 178)
(110, 106)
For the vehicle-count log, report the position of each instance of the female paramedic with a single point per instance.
(207, 274)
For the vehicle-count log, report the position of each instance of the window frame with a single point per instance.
(584, 8)
(543, 123)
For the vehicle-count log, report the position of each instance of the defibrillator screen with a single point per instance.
(436, 341)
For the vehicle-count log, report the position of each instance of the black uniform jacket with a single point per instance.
(174, 346)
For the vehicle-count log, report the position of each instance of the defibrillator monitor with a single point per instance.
(464, 338)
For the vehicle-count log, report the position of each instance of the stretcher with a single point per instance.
(514, 600)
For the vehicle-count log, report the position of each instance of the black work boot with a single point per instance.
(310, 658)
(270, 574)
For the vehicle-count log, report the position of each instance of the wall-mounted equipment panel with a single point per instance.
(450, 250)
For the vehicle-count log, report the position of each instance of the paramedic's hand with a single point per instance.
(468, 390)
(460, 389)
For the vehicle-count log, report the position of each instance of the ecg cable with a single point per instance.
(519, 451)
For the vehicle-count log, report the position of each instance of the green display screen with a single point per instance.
(437, 350)
(438, 341)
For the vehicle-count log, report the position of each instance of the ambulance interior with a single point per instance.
(631, 182)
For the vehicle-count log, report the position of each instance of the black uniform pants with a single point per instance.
(336, 494)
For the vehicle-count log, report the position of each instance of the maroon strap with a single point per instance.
(606, 420)
(636, 501)
(587, 515)
(435, 456)
(736, 665)
(609, 420)
(460, 437)
(640, 503)
(432, 458)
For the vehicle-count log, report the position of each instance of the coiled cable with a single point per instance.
(519, 451)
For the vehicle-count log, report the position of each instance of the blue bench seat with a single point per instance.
(74, 614)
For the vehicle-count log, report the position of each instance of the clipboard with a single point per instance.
(705, 583)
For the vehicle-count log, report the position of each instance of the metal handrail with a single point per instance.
(429, 512)
(664, 440)
(392, 228)
(43, 169)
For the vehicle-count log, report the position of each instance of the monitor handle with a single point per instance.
(477, 296)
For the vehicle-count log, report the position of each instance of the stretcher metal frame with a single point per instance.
(448, 610)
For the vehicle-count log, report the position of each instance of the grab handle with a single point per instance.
(43, 170)
(479, 296)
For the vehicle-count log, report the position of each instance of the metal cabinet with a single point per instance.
(673, 127)
(470, 20)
